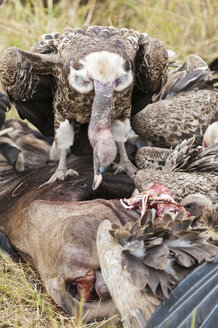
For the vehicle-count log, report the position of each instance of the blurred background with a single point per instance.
(185, 26)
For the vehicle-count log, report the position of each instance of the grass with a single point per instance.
(25, 303)
(186, 26)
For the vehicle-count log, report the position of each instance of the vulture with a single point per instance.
(85, 75)
(143, 262)
(196, 204)
(186, 104)
(211, 135)
(193, 303)
(4, 106)
(185, 170)
(205, 213)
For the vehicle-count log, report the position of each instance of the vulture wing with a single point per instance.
(27, 78)
(197, 292)
(4, 106)
(151, 66)
(185, 106)
(183, 81)
(141, 264)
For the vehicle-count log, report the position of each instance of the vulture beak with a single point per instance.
(100, 136)
(98, 177)
(97, 181)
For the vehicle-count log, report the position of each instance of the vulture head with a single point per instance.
(211, 135)
(105, 73)
(100, 70)
(196, 203)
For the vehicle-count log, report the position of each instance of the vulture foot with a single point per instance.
(60, 175)
(126, 166)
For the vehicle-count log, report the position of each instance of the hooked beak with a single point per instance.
(97, 181)
(98, 177)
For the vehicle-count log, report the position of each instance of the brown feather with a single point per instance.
(188, 170)
(189, 110)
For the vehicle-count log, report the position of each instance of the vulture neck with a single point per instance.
(101, 111)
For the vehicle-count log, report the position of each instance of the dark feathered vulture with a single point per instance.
(85, 76)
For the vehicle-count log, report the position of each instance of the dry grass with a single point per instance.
(186, 26)
(25, 303)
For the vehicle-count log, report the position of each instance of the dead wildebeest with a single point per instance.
(55, 226)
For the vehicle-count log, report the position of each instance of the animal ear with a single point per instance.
(9, 152)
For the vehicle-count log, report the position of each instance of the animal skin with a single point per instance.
(55, 227)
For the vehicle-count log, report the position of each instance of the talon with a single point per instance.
(127, 167)
(118, 170)
(59, 175)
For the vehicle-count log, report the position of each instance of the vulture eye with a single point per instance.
(188, 206)
(123, 81)
(120, 80)
(80, 81)
(101, 169)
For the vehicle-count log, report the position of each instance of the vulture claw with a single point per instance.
(126, 167)
(60, 175)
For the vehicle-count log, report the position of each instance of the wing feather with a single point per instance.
(27, 79)
(198, 290)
